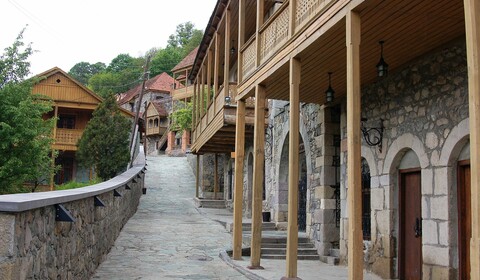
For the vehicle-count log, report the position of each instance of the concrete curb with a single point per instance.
(243, 270)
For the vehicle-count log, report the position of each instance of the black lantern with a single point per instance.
(228, 100)
(382, 66)
(329, 93)
(232, 49)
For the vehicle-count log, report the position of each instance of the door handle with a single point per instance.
(417, 228)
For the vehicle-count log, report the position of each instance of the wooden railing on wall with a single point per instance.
(68, 136)
(274, 33)
(248, 57)
(308, 9)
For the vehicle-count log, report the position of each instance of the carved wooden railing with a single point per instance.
(249, 56)
(308, 9)
(274, 32)
(66, 136)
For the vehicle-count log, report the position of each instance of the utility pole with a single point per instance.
(134, 133)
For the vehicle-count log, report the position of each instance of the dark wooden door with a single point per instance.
(410, 225)
(464, 219)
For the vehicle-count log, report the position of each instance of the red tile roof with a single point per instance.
(160, 107)
(186, 62)
(161, 83)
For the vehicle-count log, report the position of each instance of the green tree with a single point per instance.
(83, 71)
(105, 83)
(182, 116)
(26, 136)
(164, 60)
(104, 143)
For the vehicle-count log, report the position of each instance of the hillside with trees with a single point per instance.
(124, 71)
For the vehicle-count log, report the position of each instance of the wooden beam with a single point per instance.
(52, 176)
(258, 166)
(292, 11)
(216, 68)
(260, 13)
(226, 69)
(241, 38)
(354, 194)
(472, 34)
(292, 227)
(209, 79)
(202, 94)
(194, 105)
(238, 186)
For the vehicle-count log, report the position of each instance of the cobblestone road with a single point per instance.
(168, 238)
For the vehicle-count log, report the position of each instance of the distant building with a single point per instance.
(73, 108)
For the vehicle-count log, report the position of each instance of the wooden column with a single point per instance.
(238, 191)
(197, 183)
(52, 176)
(354, 192)
(258, 166)
(292, 11)
(472, 34)
(202, 94)
(293, 142)
(194, 106)
(215, 177)
(216, 67)
(209, 79)
(241, 38)
(260, 13)
(226, 69)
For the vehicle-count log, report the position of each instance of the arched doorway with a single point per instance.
(464, 212)
(410, 217)
(302, 184)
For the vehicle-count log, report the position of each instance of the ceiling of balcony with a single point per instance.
(409, 28)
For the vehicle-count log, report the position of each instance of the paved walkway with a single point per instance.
(168, 238)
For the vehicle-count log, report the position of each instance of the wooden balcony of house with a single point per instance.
(214, 130)
(183, 93)
(156, 130)
(66, 139)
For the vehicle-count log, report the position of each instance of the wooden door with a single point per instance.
(410, 243)
(464, 219)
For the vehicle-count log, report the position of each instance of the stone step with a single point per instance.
(330, 260)
(284, 245)
(282, 239)
(265, 226)
(282, 251)
(299, 257)
(209, 203)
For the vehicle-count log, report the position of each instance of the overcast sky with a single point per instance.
(65, 32)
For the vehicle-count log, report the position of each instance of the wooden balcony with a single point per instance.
(66, 139)
(159, 130)
(214, 132)
(183, 93)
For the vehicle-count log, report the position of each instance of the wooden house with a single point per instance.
(156, 126)
(373, 135)
(73, 108)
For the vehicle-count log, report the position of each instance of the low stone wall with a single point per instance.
(34, 245)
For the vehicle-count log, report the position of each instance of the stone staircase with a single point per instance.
(275, 247)
(333, 258)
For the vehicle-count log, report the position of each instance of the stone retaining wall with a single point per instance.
(33, 245)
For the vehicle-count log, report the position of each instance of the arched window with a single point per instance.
(150, 123)
(366, 200)
(155, 122)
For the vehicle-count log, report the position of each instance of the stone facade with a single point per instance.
(36, 246)
(424, 111)
(207, 169)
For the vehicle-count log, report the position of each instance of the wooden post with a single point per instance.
(52, 176)
(292, 11)
(260, 13)
(226, 69)
(472, 34)
(197, 183)
(209, 80)
(238, 191)
(292, 234)
(258, 165)
(241, 38)
(202, 94)
(216, 68)
(194, 106)
(215, 177)
(354, 192)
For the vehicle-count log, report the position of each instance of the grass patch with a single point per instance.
(75, 185)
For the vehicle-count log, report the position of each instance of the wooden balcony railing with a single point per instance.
(68, 136)
(274, 33)
(156, 130)
(182, 93)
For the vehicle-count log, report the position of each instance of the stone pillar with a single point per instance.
(185, 140)
(170, 141)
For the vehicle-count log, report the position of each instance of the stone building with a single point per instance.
(379, 102)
